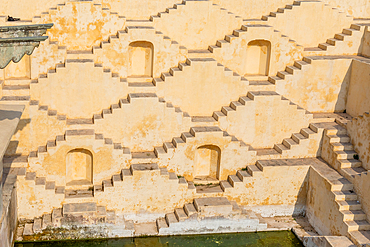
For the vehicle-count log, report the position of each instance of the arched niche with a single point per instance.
(207, 161)
(79, 167)
(258, 57)
(141, 59)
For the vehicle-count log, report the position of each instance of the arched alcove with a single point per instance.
(207, 161)
(258, 57)
(141, 59)
(79, 167)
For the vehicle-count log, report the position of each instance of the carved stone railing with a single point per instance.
(16, 41)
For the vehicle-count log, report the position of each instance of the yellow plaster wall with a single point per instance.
(25, 9)
(357, 8)
(18, 70)
(81, 24)
(359, 131)
(298, 23)
(34, 129)
(145, 191)
(45, 57)
(289, 189)
(358, 100)
(201, 87)
(115, 53)
(94, 88)
(34, 201)
(321, 86)
(235, 54)
(321, 210)
(52, 164)
(149, 191)
(196, 24)
(143, 123)
(142, 10)
(265, 121)
(182, 160)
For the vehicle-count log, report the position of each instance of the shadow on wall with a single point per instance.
(300, 204)
(340, 105)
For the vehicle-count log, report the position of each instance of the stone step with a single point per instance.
(209, 206)
(349, 205)
(350, 215)
(15, 99)
(79, 208)
(28, 229)
(306, 132)
(189, 209)
(346, 163)
(171, 219)
(345, 195)
(338, 146)
(242, 175)
(358, 225)
(360, 238)
(78, 193)
(46, 221)
(143, 155)
(180, 214)
(161, 223)
(16, 90)
(253, 170)
(347, 154)
(17, 81)
(298, 137)
(333, 129)
(351, 172)
(339, 138)
(37, 225)
(225, 185)
(289, 143)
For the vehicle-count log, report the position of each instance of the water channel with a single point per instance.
(269, 239)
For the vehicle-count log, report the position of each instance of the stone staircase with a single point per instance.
(290, 7)
(117, 178)
(179, 6)
(54, 10)
(189, 62)
(16, 91)
(236, 34)
(162, 21)
(292, 147)
(52, 144)
(249, 98)
(339, 152)
(132, 96)
(168, 148)
(71, 214)
(300, 67)
(67, 62)
(349, 206)
(345, 43)
(191, 217)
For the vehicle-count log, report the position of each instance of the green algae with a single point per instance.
(269, 239)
